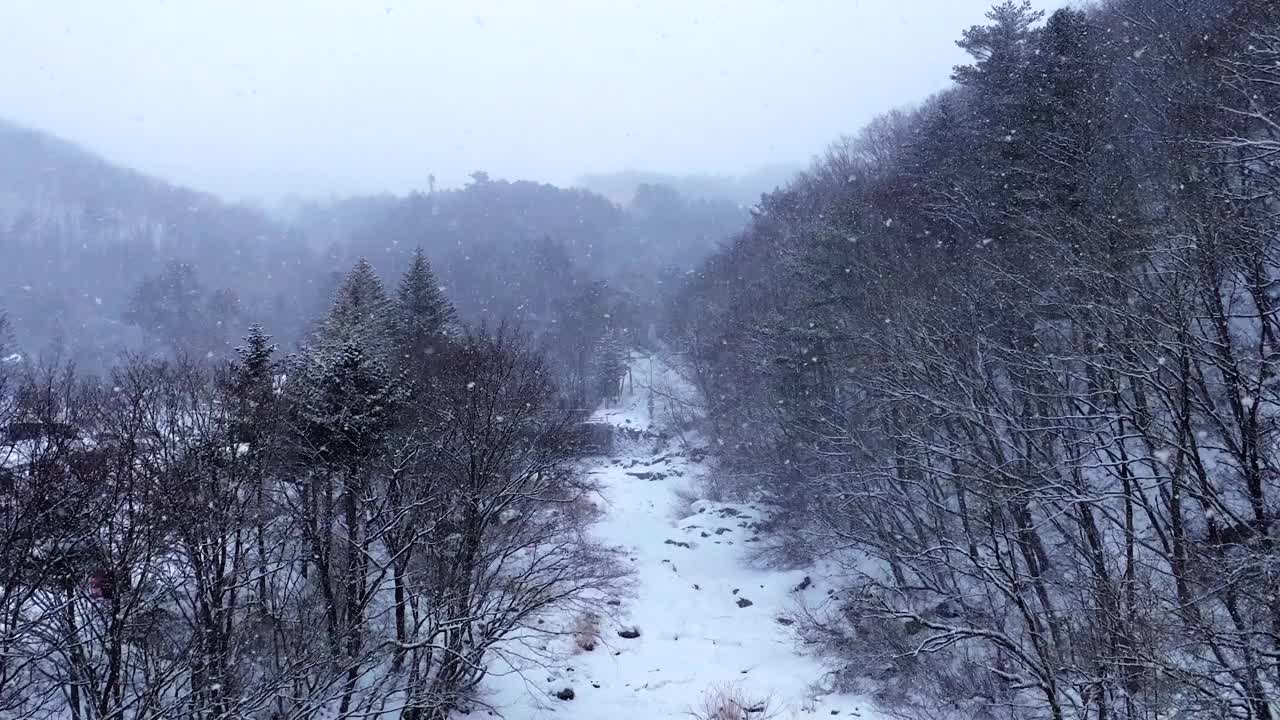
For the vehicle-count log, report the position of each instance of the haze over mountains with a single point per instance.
(977, 417)
(81, 235)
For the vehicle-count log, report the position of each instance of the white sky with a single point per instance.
(266, 97)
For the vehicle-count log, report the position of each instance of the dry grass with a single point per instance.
(732, 702)
(682, 503)
(586, 632)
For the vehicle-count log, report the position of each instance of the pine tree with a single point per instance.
(253, 379)
(6, 338)
(422, 317)
(346, 404)
(255, 421)
(254, 369)
(360, 312)
(610, 366)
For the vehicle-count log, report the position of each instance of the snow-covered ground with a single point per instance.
(706, 617)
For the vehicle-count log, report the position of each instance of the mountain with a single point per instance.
(79, 234)
(745, 189)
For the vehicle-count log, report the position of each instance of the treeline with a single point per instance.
(1009, 361)
(359, 529)
(78, 235)
(101, 260)
(579, 273)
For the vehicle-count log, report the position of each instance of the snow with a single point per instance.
(693, 579)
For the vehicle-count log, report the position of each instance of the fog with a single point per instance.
(247, 98)
(748, 360)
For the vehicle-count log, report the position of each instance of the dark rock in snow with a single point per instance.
(677, 543)
(565, 694)
(630, 633)
(784, 621)
(595, 438)
(804, 584)
(743, 602)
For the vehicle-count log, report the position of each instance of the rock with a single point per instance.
(613, 601)
(784, 621)
(804, 585)
(565, 694)
(677, 543)
(743, 602)
(595, 438)
(630, 633)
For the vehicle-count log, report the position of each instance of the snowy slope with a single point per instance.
(707, 618)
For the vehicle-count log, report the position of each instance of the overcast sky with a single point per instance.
(265, 97)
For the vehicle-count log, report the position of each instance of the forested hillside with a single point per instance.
(78, 235)
(352, 529)
(977, 418)
(103, 260)
(1008, 362)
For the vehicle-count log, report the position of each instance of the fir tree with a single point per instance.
(422, 317)
(346, 404)
(360, 312)
(252, 381)
(610, 366)
(255, 368)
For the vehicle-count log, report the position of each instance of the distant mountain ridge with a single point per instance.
(78, 233)
(745, 189)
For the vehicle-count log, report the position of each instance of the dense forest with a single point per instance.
(102, 260)
(1008, 361)
(1001, 367)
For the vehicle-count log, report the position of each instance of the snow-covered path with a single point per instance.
(706, 617)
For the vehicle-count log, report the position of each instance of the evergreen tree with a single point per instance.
(344, 391)
(346, 404)
(610, 366)
(422, 317)
(360, 312)
(252, 381)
